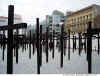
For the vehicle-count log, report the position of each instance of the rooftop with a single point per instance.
(91, 6)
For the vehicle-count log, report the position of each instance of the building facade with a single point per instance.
(57, 18)
(53, 21)
(49, 22)
(43, 23)
(77, 21)
(4, 21)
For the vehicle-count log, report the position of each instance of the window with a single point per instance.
(74, 20)
(57, 25)
(80, 18)
(83, 17)
(90, 16)
(50, 25)
(87, 17)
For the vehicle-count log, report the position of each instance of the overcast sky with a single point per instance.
(30, 9)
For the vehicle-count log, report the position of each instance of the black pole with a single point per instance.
(53, 44)
(47, 45)
(85, 44)
(17, 42)
(40, 44)
(64, 44)
(69, 45)
(89, 48)
(33, 43)
(79, 44)
(3, 52)
(3, 45)
(10, 40)
(30, 46)
(17, 53)
(73, 43)
(61, 41)
(98, 44)
(38, 50)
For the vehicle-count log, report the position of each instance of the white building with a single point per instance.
(43, 23)
(53, 21)
(49, 22)
(57, 18)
